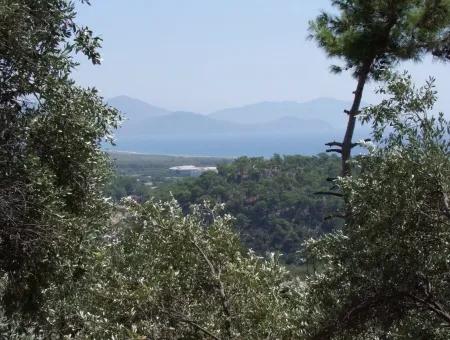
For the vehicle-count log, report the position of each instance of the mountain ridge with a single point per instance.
(263, 128)
(325, 109)
(136, 107)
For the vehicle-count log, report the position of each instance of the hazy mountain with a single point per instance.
(259, 129)
(183, 123)
(292, 125)
(136, 109)
(137, 115)
(326, 109)
(196, 125)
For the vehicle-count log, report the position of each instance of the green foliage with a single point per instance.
(124, 186)
(273, 200)
(74, 266)
(51, 166)
(161, 274)
(382, 32)
(373, 36)
(385, 274)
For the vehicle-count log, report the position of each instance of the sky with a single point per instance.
(207, 55)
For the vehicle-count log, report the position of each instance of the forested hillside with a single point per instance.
(273, 200)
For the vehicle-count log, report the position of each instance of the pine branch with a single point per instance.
(330, 193)
(334, 150)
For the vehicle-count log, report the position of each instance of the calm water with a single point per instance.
(228, 145)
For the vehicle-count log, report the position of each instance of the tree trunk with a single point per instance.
(347, 144)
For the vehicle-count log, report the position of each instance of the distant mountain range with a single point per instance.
(328, 110)
(260, 129)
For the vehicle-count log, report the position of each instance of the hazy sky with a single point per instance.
(205, 55)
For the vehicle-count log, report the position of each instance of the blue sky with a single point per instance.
(205, 55)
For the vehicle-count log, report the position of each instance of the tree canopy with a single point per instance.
(386, 272)
(161, 274)
(272, 200)
(52, 168)
(372, 36)
(380, 33)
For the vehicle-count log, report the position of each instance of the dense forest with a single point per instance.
(275, 201)
(77, 265)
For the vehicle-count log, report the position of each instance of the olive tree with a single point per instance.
(158, 273)
(386, 273)
(51, 165)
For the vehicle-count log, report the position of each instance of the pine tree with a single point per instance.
(373, 36)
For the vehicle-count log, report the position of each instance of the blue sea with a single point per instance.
(227, 145)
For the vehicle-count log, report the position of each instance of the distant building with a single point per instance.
(191, 170)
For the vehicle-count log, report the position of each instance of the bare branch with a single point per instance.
(329, 217)
(334, 150)
(179, 317)
(334, 143)
(330, 193)
(220, 288)
(211, 266)
(446, 205)
(433, 306)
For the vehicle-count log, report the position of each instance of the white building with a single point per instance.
(191, 170)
